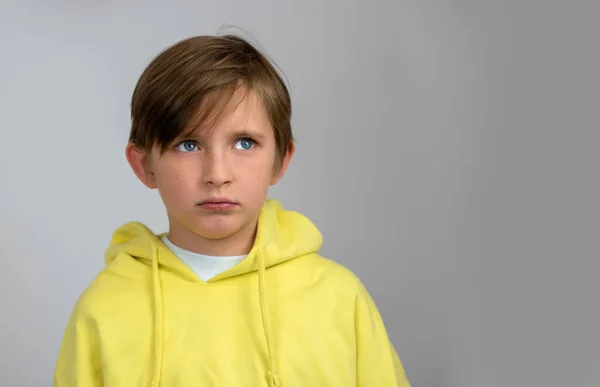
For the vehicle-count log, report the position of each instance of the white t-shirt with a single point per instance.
(205, 266)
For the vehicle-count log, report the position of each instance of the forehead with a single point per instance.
(243, 111)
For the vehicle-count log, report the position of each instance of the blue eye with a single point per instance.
(187, 146)
(244, 144)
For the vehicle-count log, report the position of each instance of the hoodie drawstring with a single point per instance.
(158, 321)
(264, 310)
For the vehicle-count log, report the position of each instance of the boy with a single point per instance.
(235, 294)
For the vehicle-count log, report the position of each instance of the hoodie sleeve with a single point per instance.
(378, 363)
(78, 362)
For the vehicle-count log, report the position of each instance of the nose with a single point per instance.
(217, 171)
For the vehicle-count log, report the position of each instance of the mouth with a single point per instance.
(218, 204)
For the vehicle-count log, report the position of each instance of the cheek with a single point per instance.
(259, 172)
(254, 179)
(174, 181)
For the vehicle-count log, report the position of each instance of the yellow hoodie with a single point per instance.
(284, 316)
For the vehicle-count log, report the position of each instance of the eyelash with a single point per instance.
(254, 142)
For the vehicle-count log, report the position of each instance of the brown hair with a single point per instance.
(190, 84)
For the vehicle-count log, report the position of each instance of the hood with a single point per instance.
(281, 235)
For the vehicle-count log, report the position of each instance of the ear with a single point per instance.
(284, 164)
(139, 162)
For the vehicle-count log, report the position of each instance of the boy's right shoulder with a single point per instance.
(122, 282)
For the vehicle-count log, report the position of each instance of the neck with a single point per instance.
(239, 243)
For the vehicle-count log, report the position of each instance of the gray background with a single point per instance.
(448, 151)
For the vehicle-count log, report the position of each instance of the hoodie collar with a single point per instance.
(281, 235)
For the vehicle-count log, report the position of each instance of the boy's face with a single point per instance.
(213, 184)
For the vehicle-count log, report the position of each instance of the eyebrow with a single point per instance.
(249, 133)
(245, 132)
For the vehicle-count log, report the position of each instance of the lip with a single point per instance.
(218, 204)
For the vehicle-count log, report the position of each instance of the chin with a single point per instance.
(214, 234)
(216, 229)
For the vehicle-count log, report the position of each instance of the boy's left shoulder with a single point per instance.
(327, 271)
